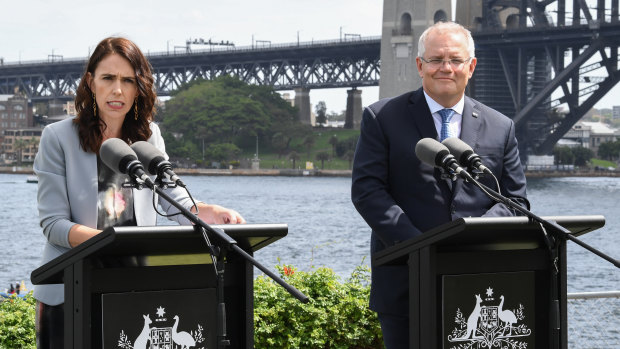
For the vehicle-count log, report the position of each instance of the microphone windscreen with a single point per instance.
(148, 155)
(458, 148)
(116, 154)
(430, 151)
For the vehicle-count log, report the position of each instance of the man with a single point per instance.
(399, 196)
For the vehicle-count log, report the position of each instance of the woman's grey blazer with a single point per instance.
(68, 194)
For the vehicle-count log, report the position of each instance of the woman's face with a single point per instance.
(115, 87)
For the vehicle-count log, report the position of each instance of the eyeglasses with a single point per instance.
(455, 63)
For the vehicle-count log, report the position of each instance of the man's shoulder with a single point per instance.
(392, 103)
(484, 110)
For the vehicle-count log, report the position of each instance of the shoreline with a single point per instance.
(27, 170)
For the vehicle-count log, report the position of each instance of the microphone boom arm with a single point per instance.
(229, 243)
(556, 229)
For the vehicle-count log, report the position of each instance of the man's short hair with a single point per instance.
(447, 26)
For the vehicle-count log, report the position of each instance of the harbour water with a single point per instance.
(324, 228)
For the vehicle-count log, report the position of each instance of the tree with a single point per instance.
(322, 157)
(321, 113)
(333, 141)
(309, 141)
(349, 155)
(346, 145)
(609, 150)
(225, 110)
(18, 148)
(280, 143)
(582, 155)
(222, 152)
(293, 156)
(563, 155)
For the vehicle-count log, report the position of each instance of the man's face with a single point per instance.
(445, 82)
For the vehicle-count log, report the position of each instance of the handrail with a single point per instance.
(592, 295)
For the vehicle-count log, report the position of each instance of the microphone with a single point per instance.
(155, 161)
(465, 154)
(433, 153)
(118, 156)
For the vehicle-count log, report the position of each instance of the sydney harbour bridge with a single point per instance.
(543, 63)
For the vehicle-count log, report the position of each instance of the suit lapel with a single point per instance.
(423, 120)
(470, 131)
(421, 114)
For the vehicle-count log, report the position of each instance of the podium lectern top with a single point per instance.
(156, 241)
(507, 232)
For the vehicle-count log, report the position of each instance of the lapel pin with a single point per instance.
(474, 114)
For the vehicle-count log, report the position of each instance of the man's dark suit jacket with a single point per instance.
(400, 197)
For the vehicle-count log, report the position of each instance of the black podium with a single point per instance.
(482, 282)
(131, 285)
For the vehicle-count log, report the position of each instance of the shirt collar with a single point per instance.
(435, 107)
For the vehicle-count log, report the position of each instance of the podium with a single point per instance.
(482, 282)
(129, 286)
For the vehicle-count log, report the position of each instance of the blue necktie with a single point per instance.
(446, 115)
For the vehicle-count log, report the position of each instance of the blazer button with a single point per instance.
(452, 209)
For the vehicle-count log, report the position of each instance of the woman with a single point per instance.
(78, 195)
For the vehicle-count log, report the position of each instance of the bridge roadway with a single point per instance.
(526, 70)
(318, 64)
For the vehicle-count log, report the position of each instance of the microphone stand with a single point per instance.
(228, 243)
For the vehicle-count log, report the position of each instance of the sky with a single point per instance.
(35, 29)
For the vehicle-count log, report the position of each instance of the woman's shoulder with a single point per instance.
(62, 125)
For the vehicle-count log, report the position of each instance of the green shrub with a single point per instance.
(17, 322)
(337, 315)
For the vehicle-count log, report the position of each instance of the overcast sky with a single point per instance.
(34, 29)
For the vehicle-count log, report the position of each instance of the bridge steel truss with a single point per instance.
(536, 68)
(544, 65)
(324, 64)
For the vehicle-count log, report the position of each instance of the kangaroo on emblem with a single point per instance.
(472, 320)
(142, 339)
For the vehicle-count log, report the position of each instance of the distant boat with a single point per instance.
(32, 179)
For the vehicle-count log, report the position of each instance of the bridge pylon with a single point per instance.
(403, 23)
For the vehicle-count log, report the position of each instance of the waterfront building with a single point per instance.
(14, 112)
(615, 112)
(20, 145)
(590, 135)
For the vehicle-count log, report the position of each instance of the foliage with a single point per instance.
(321, 113)
(345, 145)
(609, 150)
(225, 110)
(269, 158)
(222, 152)
(337, 315)
(582, 155)
(294, 157)
(578, 156)
(17, 322)
(322, 157)
(563, 155)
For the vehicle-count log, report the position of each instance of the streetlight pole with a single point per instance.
(257, 146)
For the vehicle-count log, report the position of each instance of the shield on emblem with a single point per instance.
(161, 338)
(488, 318)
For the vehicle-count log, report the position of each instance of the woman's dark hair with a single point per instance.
(90, 126)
